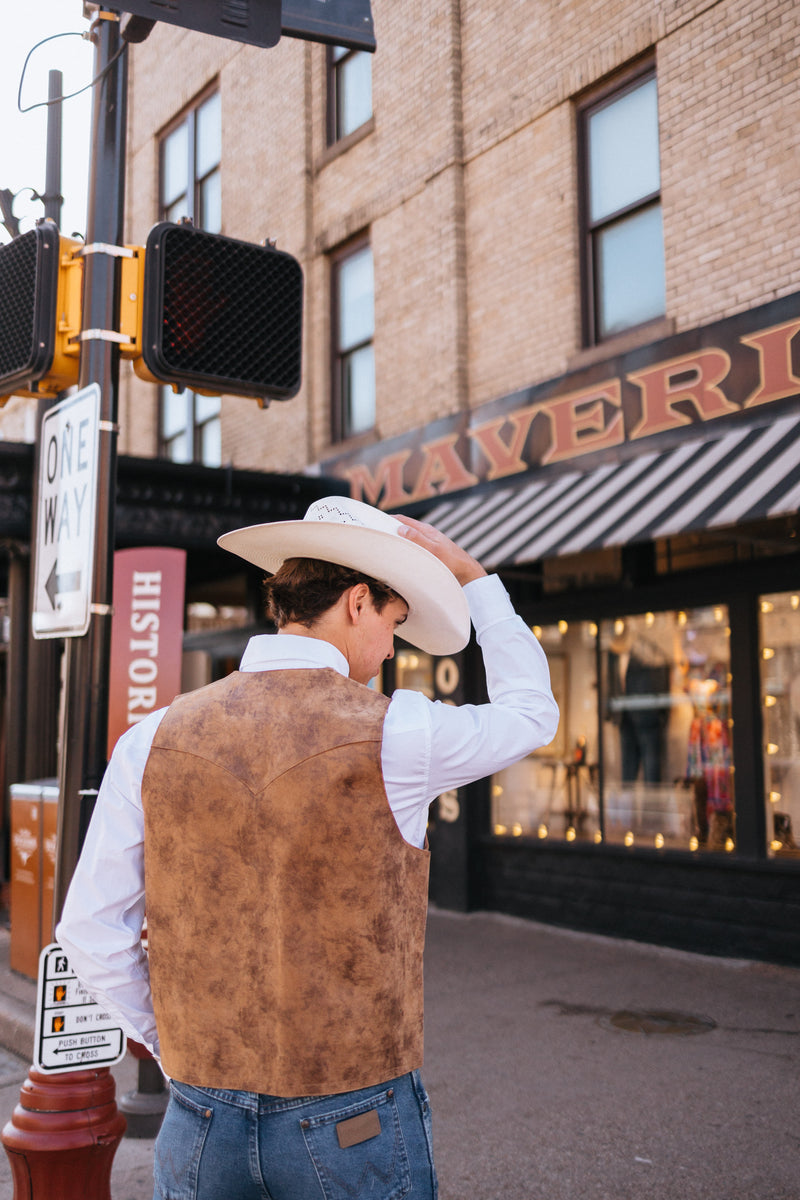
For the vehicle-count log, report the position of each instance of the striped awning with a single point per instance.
(744, 475)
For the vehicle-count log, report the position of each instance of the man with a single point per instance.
(273, 824)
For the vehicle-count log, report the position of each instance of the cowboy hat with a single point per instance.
(341, 530)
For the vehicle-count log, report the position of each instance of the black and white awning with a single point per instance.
(744, 475)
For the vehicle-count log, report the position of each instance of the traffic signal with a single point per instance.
(217, 315)
(258, 22)
(41, 282)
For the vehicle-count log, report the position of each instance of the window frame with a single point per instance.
(334, 70)
(188, 117)
(591, 102)
(340, 432)
(194, 427)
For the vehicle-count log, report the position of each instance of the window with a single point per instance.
(554, 792)
(190, 182)
(654, 767)
(667, 733)
(191, 430)
(349, 91)
(190, 186)
(623, 243)
(353, 324)
(780, 699)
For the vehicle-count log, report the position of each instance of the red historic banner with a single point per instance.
(146, 634)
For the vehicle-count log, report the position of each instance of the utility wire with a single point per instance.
(58, 99)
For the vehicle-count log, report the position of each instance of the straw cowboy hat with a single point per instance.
(344, 531)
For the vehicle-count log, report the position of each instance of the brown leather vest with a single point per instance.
(285, 911)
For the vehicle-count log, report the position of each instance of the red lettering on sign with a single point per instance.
(442, 471)
(580, 423)
(777, 379)
(693, 377)
(505, 459)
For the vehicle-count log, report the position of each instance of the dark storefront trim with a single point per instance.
(720, 906)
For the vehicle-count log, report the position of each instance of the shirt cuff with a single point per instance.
(489, 602)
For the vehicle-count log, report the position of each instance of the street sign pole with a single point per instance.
(83, 741)
(63, 1135)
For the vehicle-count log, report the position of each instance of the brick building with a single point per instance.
(551, 298)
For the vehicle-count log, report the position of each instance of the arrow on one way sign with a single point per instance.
(56, 585)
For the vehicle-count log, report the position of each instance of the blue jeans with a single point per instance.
(226, 1145)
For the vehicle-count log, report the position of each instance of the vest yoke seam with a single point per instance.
(195, 754)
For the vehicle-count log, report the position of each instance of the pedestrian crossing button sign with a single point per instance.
(73, 1031)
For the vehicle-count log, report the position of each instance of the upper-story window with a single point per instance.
(353, 326)
(349, 91)
(623, 241)
(190, 182)
(190, 427)
(190, 186)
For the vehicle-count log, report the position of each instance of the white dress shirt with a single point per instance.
(427, 748)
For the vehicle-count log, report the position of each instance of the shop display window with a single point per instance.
(667, 732)
(780, 699)
(414, 671)
(645, 759)
(554, 792)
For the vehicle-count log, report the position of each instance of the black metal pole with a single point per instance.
(52, 185)
(84, 731)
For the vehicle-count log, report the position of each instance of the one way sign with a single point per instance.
(66, 508)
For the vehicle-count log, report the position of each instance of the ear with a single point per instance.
(357, 599)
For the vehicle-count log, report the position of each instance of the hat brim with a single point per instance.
(438, 619)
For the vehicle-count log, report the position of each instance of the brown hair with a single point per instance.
(304, 588)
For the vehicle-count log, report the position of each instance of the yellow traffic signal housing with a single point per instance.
(41, 297)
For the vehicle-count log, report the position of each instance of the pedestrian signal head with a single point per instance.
(41, 280)
(220, 315)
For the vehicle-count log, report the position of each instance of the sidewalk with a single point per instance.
(563, 1066)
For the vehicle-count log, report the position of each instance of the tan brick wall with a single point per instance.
(729, 99)
(467, 185)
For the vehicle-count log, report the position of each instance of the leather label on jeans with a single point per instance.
(358, 1129)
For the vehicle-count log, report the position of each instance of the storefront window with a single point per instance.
(780, 699)
(667, 754)
(414, 670)
(554, 792)
(663, 775)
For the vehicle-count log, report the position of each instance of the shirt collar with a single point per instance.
(290, 651)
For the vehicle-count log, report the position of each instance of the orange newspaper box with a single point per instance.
(34, 816)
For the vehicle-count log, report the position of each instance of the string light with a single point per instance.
(659, 840)
(570, 835)
(542, 831)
